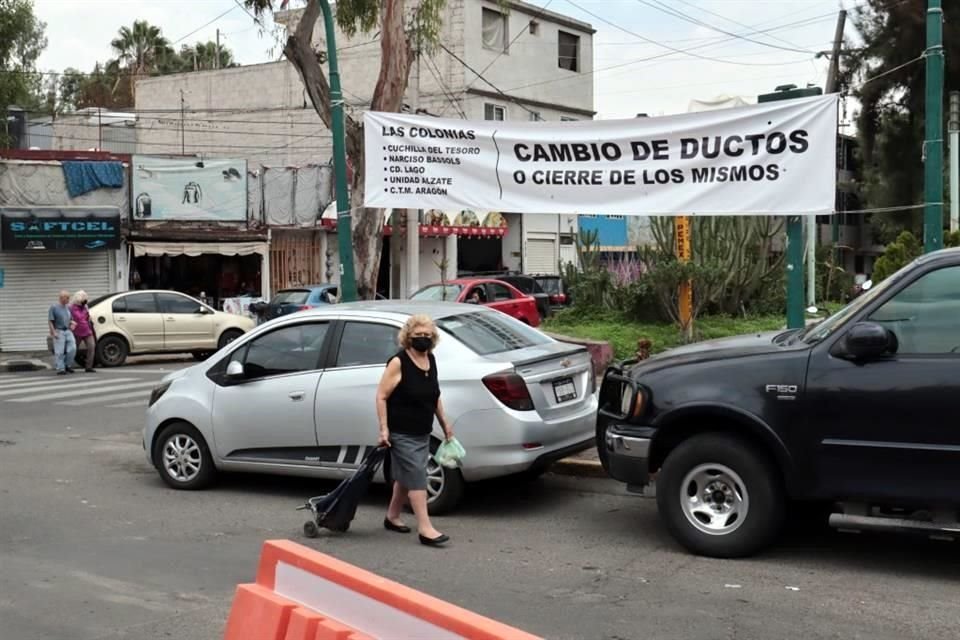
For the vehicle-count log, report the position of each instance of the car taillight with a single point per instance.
(510, 389)
(593, 377)
(562, 298)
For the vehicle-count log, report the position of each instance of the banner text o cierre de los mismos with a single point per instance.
(450, 165)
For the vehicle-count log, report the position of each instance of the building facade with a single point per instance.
(535, 65)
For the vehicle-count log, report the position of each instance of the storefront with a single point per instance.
(211, 271)
(44, 250)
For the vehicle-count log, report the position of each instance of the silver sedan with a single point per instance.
(296, 396)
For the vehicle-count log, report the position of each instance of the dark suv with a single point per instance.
(856, 414)
(526, 284)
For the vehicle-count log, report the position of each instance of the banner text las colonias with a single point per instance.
(776, 158)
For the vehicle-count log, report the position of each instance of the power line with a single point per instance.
(510, 44)
(674, 49)
(676, 13)
(175, 144)
(108, 127)
(736, 22)
(179, 40)
(495, 87)
(438, 76)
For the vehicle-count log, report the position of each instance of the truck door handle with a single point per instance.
(171, 319)
(296, 396)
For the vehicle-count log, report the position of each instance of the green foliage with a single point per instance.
(623, 332)
(897, 254)
(890, 122)
(22, 40)
(834, 283)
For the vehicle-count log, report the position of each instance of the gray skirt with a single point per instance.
(408, 460)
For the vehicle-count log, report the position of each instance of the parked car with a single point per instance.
(495, 294)
(296, 396)
(853, 414)
(141, 322)
(530, 286)
(295, 299)
(556, 290)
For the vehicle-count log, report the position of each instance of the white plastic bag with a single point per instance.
(450, 454)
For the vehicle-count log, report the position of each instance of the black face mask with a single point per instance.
(422, 344)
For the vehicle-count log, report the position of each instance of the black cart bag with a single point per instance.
(336, 510)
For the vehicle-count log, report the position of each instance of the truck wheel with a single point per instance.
(719, 496)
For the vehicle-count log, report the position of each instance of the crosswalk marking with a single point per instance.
(81, 392)
(49, 385)
(59, 381)
(142, 393)
(127, 405)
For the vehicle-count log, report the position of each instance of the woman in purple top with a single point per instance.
(83, 331)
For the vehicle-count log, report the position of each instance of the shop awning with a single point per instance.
(438, 231)
(199, 248)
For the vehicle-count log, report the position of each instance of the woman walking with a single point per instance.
(83, 328)
(408, 398)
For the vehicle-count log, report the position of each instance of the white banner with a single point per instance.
(775, 158)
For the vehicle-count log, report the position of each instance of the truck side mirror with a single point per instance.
(866, 341)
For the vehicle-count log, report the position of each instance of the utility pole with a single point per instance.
(183, 134)
(99, 128)
(832, 72)
(216, 64)
(348, 279)
(933, 132)
(953, 127)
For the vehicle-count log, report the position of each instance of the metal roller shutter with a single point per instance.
(31, 284)
(541, 256)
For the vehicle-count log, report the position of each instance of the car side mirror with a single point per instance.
(866, 341)
(235, 371)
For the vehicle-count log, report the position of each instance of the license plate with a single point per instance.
(564, 390)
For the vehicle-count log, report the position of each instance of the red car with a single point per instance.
(491, 293)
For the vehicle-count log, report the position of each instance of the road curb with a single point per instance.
(579, 467)
(23, 364)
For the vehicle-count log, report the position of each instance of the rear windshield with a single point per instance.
(488, 332)
(449, 292)
(291, 296)
(550, 285)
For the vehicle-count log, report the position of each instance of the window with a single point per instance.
(925, 316)
(287, 350)
(137, 303)
(494, 112)
(567, 119)
(367, 343)
(172, 303)
(568, 51)
(535, 116)
(534, 28)
(498, 292)
(487, 332)
(291, 296)
(448, 292)
(494, 30)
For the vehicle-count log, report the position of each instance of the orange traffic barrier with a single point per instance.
(302, 594)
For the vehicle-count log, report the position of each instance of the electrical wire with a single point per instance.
(510, 44)
(177, 129)
(495, 87)
(893, 70)
(438, 76)
(676, 13)
(736, 22)
(204, 26)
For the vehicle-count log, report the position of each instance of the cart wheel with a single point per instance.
(310, 529)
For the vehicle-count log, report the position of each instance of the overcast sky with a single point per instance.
(80, 31)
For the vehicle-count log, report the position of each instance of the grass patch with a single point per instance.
(622, 334)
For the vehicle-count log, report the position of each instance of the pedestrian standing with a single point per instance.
(408, 398)
(61, 330)
(83, 328)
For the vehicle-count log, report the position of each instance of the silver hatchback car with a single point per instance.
(297, 396)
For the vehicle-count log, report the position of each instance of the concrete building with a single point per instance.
(535, 65)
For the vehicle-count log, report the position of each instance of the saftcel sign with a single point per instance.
(59, 234)
(774, 159)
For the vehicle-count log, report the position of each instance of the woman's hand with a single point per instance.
(384, 439)
(448, 432)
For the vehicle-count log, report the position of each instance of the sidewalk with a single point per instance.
(584, 464)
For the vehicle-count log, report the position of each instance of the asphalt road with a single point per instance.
(93, 546)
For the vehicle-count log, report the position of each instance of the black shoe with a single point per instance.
(439, 541)
(69, 370)
(398, 528)
(90, 370)
(61, 373)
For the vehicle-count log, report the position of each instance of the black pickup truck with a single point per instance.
(857, 414)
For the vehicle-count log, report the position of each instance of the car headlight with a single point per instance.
(158, 392)
(633, 401)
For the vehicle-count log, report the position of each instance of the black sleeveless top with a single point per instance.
(411, 406)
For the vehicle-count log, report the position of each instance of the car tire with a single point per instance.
(720, 496)
(227, 337)
(112, 351)
(445, 487)
(182, 457)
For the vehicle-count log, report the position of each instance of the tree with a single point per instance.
(203, 56)
(889, 83)
(142, 50)
(22, 40)
(400, 35)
